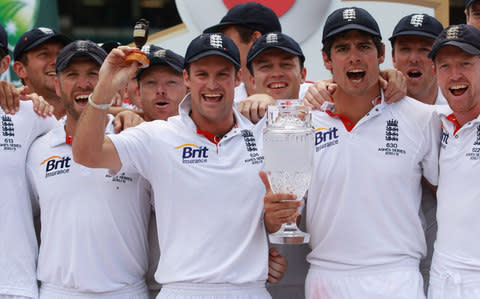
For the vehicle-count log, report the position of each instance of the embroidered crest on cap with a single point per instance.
(46, 30)
(160, 53)
(146, 49)
(417, 20)
(453, 32)
(272, 38)
(82, 46)
(349, 14)
(216, 41)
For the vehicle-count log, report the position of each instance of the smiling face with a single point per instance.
(278, 73)
(410, 56)
(458, 75)
(212, 80)
(473, 14)
(160, 91)
(354, 63)
(75, 83)
(39, 70)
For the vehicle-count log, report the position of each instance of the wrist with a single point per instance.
(98, 106)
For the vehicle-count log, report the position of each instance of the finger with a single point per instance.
(331, 87)
(273, 252)
(117, 124)
(262, 110)
(254, 112)
(266, 182)
(9, 98)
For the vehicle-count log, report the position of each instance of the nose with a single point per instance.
(276, 71)
(161, 90)
(84, 82)
(354, 55)
(413, 57)
(455, 72)
(212, 83)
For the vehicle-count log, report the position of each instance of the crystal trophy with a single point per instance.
(288, 150)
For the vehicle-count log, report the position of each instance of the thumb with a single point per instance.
(383, 83)
(331, 87)
(117, 125)
(266, 182)
(273, 252)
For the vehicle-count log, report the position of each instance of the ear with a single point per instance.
(186, 79)
(304, 74)
(238, 78)
(4, 63)
(467, 15)
(381, 58)
(251, 78)
(326, 62)
(57, 87)
(20, 70)
(256, 35)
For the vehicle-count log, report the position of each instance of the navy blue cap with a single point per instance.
(463, 36)
(108, 46)
(212, 44)
(79, 48)
(276, 40)
(350, 18)
(35, 37)
(3, 39)
(160, 56)
(468, 3)
(417, 24)
(251, 15)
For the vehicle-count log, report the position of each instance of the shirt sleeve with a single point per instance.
(432, 146)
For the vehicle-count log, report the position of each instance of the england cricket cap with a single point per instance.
(463, 36)
(79, 48)
(108, 46)
(3, 39)
(251, 15)
(35, 37)
(417, 24)
(212, 44)
(275, 40)
(161, 56)
(350, 18)
(468, 3)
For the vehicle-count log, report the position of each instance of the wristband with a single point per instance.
(98, 106)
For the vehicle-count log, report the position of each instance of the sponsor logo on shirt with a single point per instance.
(8, 135)
(56, 165)
(475, 153)
(251, 144)
(391, 148)
(192, 153)
(119, 178)
(444, 137)
(325, 137)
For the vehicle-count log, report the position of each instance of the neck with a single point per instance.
(71, 125)
(215, 127)
(355, 106)
(428, 96)
(465, 117)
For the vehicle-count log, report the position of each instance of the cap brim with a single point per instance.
(413, 32)
(463, 46)
(210, 53)
(60, 37)
(157, 61)
(67, 60)
(218, 28)
(351, 27)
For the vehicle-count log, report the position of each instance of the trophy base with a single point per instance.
(289, 237)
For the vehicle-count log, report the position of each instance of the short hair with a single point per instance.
(3, 53)
(245, 33)
(328, 43)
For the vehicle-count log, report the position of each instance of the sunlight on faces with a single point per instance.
(212, 81)
(473, 14)
(75, 83)
(411, 58)
(40, 69)
(160, 91)
(354, 63)
(278, 74)
(458, 75)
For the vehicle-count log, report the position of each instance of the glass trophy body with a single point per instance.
(288, 150)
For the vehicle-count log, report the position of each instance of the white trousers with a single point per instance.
(398, 284)
(135, 291)
(213, 291)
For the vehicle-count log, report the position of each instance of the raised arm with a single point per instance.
(90, 146)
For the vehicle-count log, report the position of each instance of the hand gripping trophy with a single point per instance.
(288, 149)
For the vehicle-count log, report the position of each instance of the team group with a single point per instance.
(147, 182)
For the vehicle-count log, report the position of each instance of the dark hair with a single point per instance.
(3, 53)
(328, 43)
(245, 33)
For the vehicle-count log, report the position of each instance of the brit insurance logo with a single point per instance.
(56, 165)
(444, 137)
(192, 153)
(251, 145)
(392, 133)
(326, 137)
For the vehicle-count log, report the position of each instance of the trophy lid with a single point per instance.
(289, 114)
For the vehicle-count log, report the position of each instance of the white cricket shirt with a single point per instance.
(18, 244)
(458, 194)
(208, 198)
(94, 224)
(364, 198)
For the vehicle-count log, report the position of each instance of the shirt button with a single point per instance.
(456, 136)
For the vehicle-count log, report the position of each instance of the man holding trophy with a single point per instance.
(364, 199)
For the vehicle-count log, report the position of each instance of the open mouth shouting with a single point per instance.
(414, 73)
(81, 99)
(458, 89)
(212, 97)
(356, 75)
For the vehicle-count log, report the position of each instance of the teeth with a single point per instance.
(277, 85)
(52, 74)
(356, 71)
(457, 87)
(81, 97)
(211, 95)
